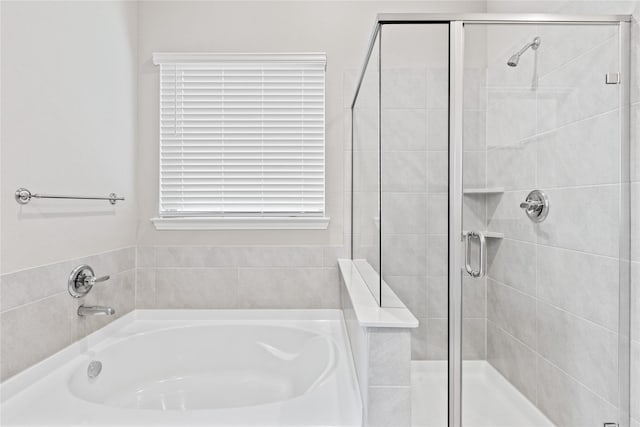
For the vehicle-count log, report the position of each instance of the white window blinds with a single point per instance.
(242, 134)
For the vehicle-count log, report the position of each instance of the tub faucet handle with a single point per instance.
(82, 279)
(92, 280)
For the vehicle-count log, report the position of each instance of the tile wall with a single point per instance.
(382, 360)
(635, 208)
(35, 299)
(552, 287)
(197, 277)
(227, 277)
(366, 159)
(415, 203)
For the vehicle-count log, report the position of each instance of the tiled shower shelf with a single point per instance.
(489, 190)
(488, 234)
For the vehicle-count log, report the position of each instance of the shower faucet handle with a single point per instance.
(531, 204)
(536, 206)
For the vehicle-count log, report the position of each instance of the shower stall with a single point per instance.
(490, 193)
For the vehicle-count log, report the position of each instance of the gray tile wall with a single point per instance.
(553, 396)
(366, 206)
(382, 360)
(410, 128)
(414, 218)
(227, 277)
(38, 317)
(635, 218)
(552, 289)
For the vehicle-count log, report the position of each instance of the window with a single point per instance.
(241, 141)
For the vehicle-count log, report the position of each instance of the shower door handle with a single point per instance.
(469, 235)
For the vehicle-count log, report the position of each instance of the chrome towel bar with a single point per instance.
(24, 196)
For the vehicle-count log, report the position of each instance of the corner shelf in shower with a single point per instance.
(488, 234)
(489, 190)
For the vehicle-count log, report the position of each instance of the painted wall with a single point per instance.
(68, 127)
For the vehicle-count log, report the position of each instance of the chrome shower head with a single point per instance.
(513, 61)
(515, 58)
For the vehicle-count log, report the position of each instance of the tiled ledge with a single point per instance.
(367, 311)
(380, 341)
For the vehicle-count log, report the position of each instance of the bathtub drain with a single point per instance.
(94, 369)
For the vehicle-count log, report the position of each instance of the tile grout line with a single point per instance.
(59, 293)
(550, 304)
(540, 356)
(75, 259)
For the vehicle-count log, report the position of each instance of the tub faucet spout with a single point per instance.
(95, 310)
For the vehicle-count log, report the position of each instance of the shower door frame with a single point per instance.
(455, 185)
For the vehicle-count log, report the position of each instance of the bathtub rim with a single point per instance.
(30, 376)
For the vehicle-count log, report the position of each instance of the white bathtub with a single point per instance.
(200, 367)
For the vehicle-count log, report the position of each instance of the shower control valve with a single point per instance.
(536, 206)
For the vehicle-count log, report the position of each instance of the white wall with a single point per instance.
(339, 28)
(68, 127)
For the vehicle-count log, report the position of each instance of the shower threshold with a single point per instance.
(489, 399)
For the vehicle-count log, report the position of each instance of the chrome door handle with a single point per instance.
(481, 254)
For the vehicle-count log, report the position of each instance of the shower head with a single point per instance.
(513, 60)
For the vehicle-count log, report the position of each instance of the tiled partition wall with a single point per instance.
(382, 360)
(226, 277)
(39, 317)
(552, 288)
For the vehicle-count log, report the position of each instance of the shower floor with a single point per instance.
(489, 400)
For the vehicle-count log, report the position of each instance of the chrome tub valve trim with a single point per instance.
(82, 279)
(536, 206)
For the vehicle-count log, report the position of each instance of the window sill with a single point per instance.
(240, 223)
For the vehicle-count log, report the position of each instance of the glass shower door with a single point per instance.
(543, 217)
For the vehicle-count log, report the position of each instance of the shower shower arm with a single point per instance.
(533, 45)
